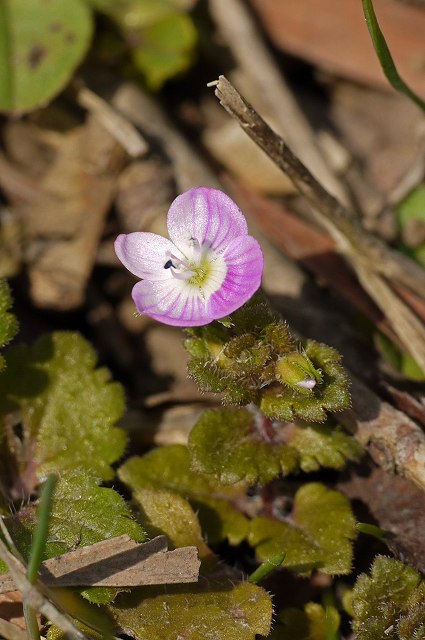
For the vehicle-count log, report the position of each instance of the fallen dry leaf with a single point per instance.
(333, 35)
(118, 562)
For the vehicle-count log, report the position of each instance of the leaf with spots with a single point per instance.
(41, 44)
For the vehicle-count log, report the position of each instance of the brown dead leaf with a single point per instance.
(11, 608)
(119, 562)
(333, 35)
(76, 195)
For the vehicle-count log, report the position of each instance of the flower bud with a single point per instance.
(296, 370)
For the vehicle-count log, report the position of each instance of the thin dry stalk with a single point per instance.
(366, 253)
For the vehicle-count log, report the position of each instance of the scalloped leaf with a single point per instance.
(211, 609)
(8, 322)
(319, 534)
(389, 603)
(69, 407)
(323, 446)
(169, 468)
(228, 444)
(82, 513)
(242, 445)
(41, 44)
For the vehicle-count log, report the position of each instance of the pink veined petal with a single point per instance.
(144, 254)
(208, 215)
(245, 262)
(171, 303)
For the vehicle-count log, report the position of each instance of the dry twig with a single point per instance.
(368, 255)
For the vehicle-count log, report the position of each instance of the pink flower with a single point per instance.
(209, 268)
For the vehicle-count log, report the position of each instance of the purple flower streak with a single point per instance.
(209, 268)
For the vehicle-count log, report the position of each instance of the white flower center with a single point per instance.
(202, 268)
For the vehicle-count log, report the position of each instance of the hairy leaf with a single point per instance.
(229, 444)
(69, 407)
(167, 513)
(211, 609)
(389, 603)
(82, 513)
(169, 468)
(243, 445)
(41, 44)
(318, 535)
(323, 446)
(8, 322)
(253, 358)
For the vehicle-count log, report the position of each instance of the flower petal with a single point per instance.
(245, 262)
(208, 215)
(171, 302)
(144, 254)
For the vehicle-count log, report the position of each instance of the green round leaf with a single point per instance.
(41, 43)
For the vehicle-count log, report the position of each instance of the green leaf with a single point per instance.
(162, 37)
(139, 13)
(169, 468)
(8, 322)
(69, 408)
(41, 44)
(211, 609)
(318, 536)
(323, 446)
(167, 513)
(389, 603)
(400, 360)
(241, 445)
(82, 513)
(314, 623)
(228, 444)
(166, 48)
(412, 207)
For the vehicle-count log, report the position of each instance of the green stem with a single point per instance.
(41, 530)
(267, 567)
(31, 623)
(385, 57)
(37, 550)
(371, 530)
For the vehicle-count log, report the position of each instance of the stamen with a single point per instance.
(182, 275)
(197, 249)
